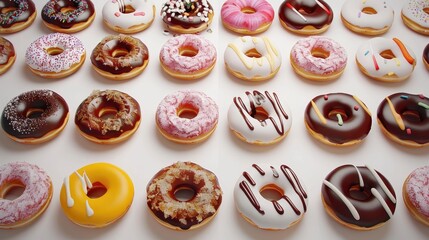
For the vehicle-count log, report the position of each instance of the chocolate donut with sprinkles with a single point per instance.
(404, 118)
(16, 15)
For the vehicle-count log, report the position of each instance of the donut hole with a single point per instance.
(188, 51)
(426, 10)
(8, 9)
(369, 10)
(248, 10)
(129, 9)
(108, 112)
(253, 53)
(187, 111)
(67, 9)
(121, 50)
(53, 51)
(12, 191)
(97, 190)
(34, 112)
(333, 114)
(184, 193)
(358, 193)
(271, 192)
(412, 115)
(387, 54)
(320, 53)
(261, 114)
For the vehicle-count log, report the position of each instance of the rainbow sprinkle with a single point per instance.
(366, 53)
(356, 108)
(423, 105)
(409, 131)
(404, 97)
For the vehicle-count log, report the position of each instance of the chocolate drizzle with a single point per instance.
(259, 169)
(249, 178)
(249, 194)
(296, 187)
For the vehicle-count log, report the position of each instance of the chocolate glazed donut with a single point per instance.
(187, 14)
(23, 8)
(426, 56)
(358, 197)
(66, 13)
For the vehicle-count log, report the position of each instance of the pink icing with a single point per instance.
(233, 16)
(37, 185)
(37, 58)
(171, 58)
(301, 55)
(206, 119)
(417, 189)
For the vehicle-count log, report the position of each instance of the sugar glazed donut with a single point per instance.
(286, 210)
(370, 17)
(426, 56)
(120, 57)
(130, 17)
(259, 118)
(7, 55)
(56, 55)
(187, 16)
(415, 192)
(318, 58)
(415, 15)
(16, 15)
(68, 16)
(187, 57)
(404, 118)
(387, 60)
(338, 119)
(80, 195)
(358, 197)
(108, 117)
(307, 17)
(34, 200)
(252, 58)
(187, 116)
(181, 214)
(248, 16)
(34, 117)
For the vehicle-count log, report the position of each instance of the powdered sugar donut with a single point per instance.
(318, 58)
(252, 58)
(370, 17)
(33, 201)
(415, 192)
(55, 55)
(415, 15)
(132, 17)
(188, 57)
(247, 16)
(187, 116)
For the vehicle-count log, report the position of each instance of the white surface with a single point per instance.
(147, 151)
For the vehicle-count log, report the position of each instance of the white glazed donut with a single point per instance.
(385, 59)
(141, 17)
(267, 214)
(243, 62)
(259, 118)
(370, 17)
(415, 15)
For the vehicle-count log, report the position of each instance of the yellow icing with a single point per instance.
(241, 55)
(397, 117)
(319, 114)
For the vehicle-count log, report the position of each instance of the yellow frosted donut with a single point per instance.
(80, 195)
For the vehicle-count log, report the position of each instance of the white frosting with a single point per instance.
(250, 67)
(383, 203)
(271, 219)
(413, 9)
(264, 131)
(371, 50)
(143, 13)
(346, 201)
(352, 13)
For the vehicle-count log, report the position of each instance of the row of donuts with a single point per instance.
(189, 116)
(189, 56)
(186, 196)
(369, 17)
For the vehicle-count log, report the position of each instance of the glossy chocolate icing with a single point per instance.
(412, 110)
(192, 20)
(10, 18)
(426, 54)
(51, 12)
(315, 15)
(6, 50)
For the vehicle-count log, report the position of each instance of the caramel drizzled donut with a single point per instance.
(7, 55)
(16, 15)
(358, 197)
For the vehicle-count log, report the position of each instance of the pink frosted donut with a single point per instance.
(318, 58)
(187, 57)
(187, 116)
(33, 201)
(415, 192)
(247, 16)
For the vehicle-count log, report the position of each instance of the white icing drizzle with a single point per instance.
(382, 201)
(89, 210)
(85, 182)
(361, 183)
(383, 186)
(349, 205)
(70, 200)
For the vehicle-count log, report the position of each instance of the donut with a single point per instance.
(426, 56)
(259, 118)
(276, 211)
(16, 15)
(108, 117)
(120, 57)
(187, 16)
(191, 212)
(187, 57)
(129, 17)
(338, 119)
(56, 55)
(370, 17)
(96, 195)
(33, 201)
(415, 192)
(68, 16)
(187, 116)
(415, 15)
(387, 60)
(358, 197)
(252, 58)
(35, 116)
(247, 16)
(318, 58)
(404, 118)
(7, 55)
(306, 17)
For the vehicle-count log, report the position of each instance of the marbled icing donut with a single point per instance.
(415, 192)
